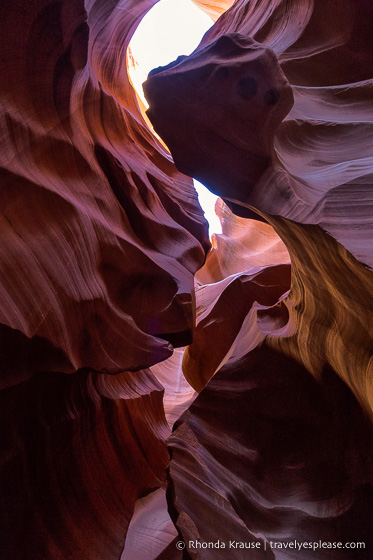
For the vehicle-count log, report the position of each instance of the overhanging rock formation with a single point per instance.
(220, 112)
(103, 272)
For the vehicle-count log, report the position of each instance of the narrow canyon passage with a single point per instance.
(170, 393)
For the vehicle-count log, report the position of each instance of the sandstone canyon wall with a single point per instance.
(107, 274)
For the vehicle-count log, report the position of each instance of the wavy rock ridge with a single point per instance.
(101, 272)
(307, 179)
(101, 237)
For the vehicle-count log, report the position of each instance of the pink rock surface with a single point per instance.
(238, 96)
(266, 453)
(102, 244)
(310, 180)
(306, 169)
(95, 216)
(101, 237)
(243, 245)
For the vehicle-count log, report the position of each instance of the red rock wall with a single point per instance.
(92, 204)
(300, 161)
(101, 237)
(101, 240)
(309, 177)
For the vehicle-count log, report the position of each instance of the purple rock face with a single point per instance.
(103, 270)
(218, 111)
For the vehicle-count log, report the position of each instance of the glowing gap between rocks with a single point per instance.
(170, 29)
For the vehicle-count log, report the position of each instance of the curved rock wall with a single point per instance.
(101, 237)
(95, 216)
(309, 177)
(302, 174)
(73, 462)
(267, 454)
(103, 242)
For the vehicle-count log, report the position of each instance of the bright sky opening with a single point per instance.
(170, 29)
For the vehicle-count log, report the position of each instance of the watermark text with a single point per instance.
(270, 544)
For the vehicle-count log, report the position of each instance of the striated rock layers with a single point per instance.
(257, 116)
(100, 239)
(102, 275)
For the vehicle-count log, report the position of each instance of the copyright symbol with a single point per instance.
(180, 545)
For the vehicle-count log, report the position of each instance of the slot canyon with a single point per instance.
(164, 395)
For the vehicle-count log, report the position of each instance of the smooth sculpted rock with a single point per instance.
(218, 111)
(267, 456)
(221, 111)
(100, 234)
(100, 240)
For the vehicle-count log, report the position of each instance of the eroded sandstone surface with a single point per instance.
(113, 299)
